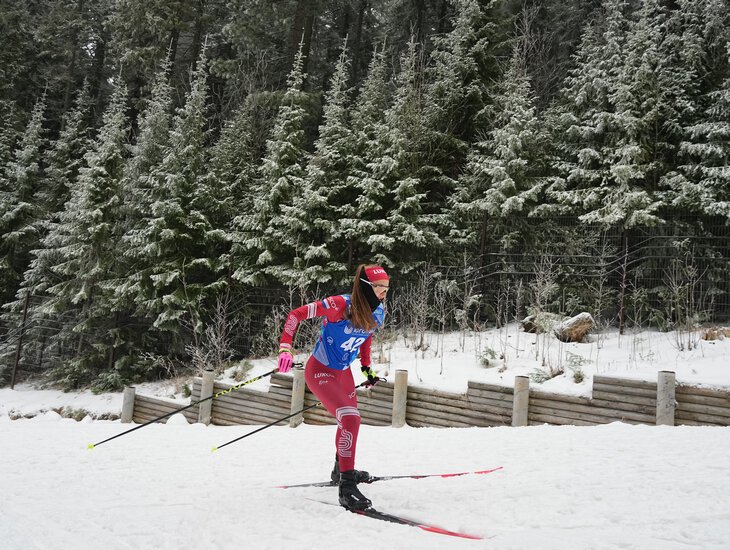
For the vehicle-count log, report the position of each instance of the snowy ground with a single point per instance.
(448, 363)
(607, 487)
(511, 352)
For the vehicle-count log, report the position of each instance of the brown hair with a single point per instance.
(360, 315)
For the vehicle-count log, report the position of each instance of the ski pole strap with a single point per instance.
(287, 417)
(371, 375)
(224, 392)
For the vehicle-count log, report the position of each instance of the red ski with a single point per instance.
(392, 518)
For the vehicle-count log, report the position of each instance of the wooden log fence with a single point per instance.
(613, 399)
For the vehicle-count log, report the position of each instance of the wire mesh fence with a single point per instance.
(662, 277)
(671, 276)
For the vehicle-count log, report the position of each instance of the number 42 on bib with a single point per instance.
(352, 343)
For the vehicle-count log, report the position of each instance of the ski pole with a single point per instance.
(318, 403)
(219, 394)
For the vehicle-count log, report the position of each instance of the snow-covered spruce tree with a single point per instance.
(140, 185)
(181, 259)
(701, 183)
(461, 65)
(504, 174)
(265, 228)
(20, 213)
(407, 232)
(597, 178)
(715, 28)
(63, 161)
(82, 250)
(65, 157)
(8, 132)
(584, 130)
(142, 33)
(234, 166)
(555, 28)
(655, 99)
(153, 142)
(233, 157)
(327, 193)
(365, 214)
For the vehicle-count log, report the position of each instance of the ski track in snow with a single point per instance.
(562, 487)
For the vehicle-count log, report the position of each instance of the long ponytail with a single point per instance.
(361, 316)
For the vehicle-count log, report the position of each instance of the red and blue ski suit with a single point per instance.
(327, 372)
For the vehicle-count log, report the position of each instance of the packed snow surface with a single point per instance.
(161, 487)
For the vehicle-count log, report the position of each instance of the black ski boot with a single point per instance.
(350, 497)
(361, 476)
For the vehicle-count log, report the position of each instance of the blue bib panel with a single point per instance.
(339, 343)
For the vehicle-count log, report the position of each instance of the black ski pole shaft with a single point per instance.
(214, 449)
(267, 426)
(220, 393)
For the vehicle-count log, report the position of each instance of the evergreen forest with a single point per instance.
(176, 174)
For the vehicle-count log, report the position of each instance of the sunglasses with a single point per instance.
(376, 287)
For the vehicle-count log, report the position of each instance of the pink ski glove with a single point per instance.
(285, 360)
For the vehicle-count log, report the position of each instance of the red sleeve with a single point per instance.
(333, 308)
(365, 351)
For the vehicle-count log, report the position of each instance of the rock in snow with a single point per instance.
(575, 328)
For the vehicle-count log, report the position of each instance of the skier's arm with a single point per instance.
(365, 352)
(370, 374)
(332, 308)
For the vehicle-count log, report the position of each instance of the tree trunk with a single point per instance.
(98, 75)
(356, 47)
(41, 353)
(69, 86)
(71, 69)
(443, 25)
(623, 285)
(135, 94)
(197, 44)
(172, 53)
(420, 16)
(112, 349)
(302, 30)
(345, 21)
(483, 238)
(483, 283)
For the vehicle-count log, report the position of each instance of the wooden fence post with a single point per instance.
(400, 396)
(521, 401)
(205, 409)
(297, 396)
(128, 404)
(665, 398)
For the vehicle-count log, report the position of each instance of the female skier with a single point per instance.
(350, 321)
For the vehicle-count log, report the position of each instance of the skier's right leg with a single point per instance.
(336, 391)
